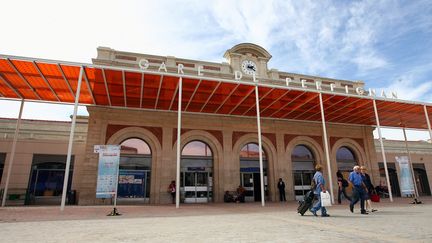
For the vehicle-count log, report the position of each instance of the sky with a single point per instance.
(387, 44)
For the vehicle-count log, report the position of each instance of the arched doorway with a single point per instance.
(346, 160)
(196, 173)
(303, 162)
(135, 171)
(250, 172)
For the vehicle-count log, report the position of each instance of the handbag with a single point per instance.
(325, 199)
(374, 197)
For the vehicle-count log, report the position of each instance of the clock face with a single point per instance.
(249, 67)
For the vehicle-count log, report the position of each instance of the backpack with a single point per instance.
(313, 184)
(344, 183)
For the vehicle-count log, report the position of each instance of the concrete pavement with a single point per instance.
(249, 222)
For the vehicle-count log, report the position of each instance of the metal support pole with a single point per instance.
(326, 148)
(260, 147)
(71, 136)
(383, 151)
(428, 122)
(12, 155)
(178, 142)
(410, 164)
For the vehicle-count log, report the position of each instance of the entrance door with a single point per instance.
(251, 182)
(302, 183)
(422, 182)
(257, 187)
(197, 187)
(247, 182)
(394, 182)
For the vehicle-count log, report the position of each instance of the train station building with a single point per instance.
(209, 142)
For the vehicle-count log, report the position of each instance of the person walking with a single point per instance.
(342, 185)
(281, 187)
(172, 191)
(319, 182)
(358, 189)
(370, 188)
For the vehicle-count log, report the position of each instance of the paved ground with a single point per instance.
(277, 222)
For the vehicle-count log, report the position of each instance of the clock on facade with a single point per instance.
(249, 67)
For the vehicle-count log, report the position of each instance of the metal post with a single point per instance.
(71, 136)
(178, 142)
(260, 146)
(12, 155)
(410, 163)
(428, 122)
(382, 151)
(116, 188)
(326, 148)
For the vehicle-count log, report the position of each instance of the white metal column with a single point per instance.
(410, 163)
(428, 122)
(12, 154)
(326, 148)
(383, 151)
(260, 151)
(71, 136)
(178, 142)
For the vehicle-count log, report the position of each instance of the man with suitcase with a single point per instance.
(320, 187)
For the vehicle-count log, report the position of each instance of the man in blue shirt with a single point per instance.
(320, 183)
(359, 192)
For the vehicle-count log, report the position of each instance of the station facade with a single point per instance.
(218, 152)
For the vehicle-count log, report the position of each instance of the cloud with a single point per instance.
(408, 88)
(354, 40)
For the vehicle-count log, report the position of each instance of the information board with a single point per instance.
(108, 166)
(406, 182)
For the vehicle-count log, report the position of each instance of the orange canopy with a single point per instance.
(52, 81)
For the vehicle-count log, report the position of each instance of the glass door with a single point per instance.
(247, 182)
(197, 187)
(302, 183)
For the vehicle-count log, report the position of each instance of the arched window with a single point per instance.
(251, 150)
(197, 148)
(345, 158)
(134, 146)
(302, 153)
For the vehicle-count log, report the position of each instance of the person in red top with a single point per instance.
(172, 190)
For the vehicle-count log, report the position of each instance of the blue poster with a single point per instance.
(109, 158)
(131, 184)
(406, 182)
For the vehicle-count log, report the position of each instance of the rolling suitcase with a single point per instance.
(306, 203)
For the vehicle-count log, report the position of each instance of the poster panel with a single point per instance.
(406, 182)
(108, 166)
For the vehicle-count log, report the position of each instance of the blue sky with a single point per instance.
(387, 44)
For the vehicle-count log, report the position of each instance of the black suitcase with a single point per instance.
(306, 203)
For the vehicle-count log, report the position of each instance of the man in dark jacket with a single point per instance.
(281, 187)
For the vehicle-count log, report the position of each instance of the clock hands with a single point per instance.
(251, 67)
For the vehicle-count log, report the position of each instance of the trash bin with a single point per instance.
(71, 197)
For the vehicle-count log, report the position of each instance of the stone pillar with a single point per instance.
(231, 166)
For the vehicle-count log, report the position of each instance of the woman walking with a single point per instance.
(370, 188)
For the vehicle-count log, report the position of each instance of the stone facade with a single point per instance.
(225, 135)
